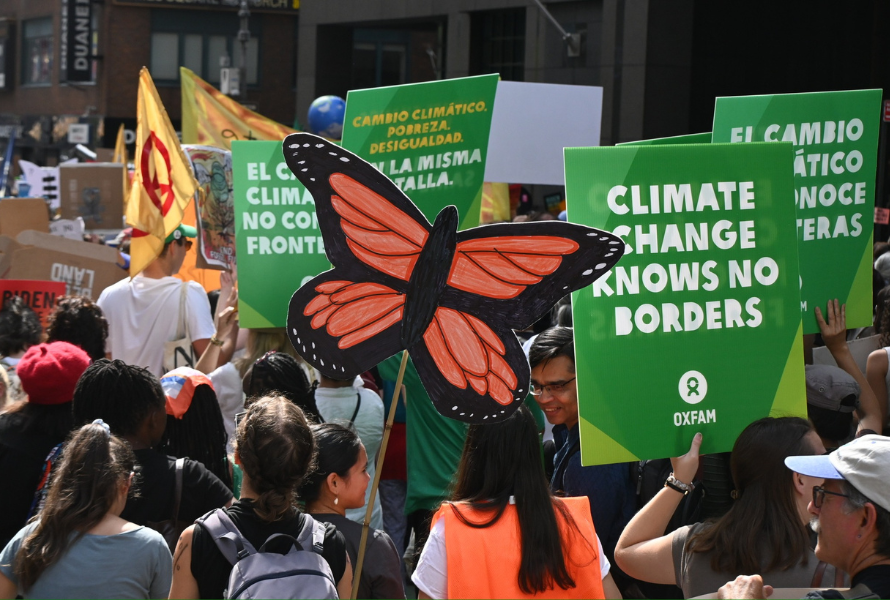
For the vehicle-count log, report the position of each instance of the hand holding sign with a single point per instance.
(686, 466)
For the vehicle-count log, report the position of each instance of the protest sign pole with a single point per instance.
(363, 545)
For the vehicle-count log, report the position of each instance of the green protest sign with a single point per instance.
(691, 138)
(277, 239)
(835, 138)
(697, 328)
(430, 138)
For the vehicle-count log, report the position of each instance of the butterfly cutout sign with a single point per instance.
(452, 299)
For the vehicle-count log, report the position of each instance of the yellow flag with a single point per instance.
(163, 184)
(120, 156)
(495, 203)
(211, 118)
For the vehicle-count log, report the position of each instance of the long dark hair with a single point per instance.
(94, 467)
(277, 373)
(503, 459)
(276, 450)
(337, 451)
(200, 434)
(765, 513)
(54, 421)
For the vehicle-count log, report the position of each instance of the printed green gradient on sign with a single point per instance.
(266, 278)
(834, 236)
(423, 173)
(628, 384)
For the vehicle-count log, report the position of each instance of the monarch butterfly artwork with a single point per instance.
(451, 298)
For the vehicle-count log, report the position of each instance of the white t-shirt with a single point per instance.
(226, 382)
(431, 574)
(337, 405)
(143, 314)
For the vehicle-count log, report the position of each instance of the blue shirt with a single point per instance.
(610, 488)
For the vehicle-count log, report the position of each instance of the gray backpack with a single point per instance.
(265, 574)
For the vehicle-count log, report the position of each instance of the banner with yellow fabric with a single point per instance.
(163, 184)
(211, 118)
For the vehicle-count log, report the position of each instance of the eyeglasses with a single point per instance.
(819, 496)
(188, 245)
(556, 389)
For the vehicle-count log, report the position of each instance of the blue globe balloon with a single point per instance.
(326, 116)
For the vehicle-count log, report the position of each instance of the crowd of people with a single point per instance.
(150, 449)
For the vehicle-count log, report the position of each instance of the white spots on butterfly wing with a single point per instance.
(600, 266)
(314, 357)
(614, 242)
(319, 145)
(610, 254)
(303, 170)
(344, 159)
(471, 414)
(342, 369)
(322, 362)
(462, 414)
(312, 179)
(313, 345)
(301, 162)
(294, 329)
(603, 239)
(305, 145)
(587, 272)
(485, 417)
(454, 408)
(565, 287)
(294, 146)
(502, 412)
(304, 348)
(332, 153)
(594, 234)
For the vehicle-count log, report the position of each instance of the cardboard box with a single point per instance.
(19, 214)
(95, 192)
(87, 269)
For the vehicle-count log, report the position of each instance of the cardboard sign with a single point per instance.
(526, 111)
(71, 229)
(882, 216)
(451, 299)
(86, 269)
(40, 296)
(44, 181)
(835, 138)
(698, 327)
(93, 191)
(279, 244)
(19, 214)
(430, 138)
(215, 206)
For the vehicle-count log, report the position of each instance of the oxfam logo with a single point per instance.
(693, 387)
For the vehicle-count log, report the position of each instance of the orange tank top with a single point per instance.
(484, 563)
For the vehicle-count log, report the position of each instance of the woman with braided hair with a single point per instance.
(275, 449)
(80, 547)
(194, 422)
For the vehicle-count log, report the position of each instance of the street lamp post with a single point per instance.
(243, 38)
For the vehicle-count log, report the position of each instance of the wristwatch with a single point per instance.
(675, 484)
(215, 341)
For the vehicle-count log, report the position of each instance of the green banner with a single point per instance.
(697, 328)
(691, 138)
(835, 138)
(430, 138)
(277, 239)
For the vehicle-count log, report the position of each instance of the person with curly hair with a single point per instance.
(20, 329)
(79, 321)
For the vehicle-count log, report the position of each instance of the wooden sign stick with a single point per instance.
(363, 545)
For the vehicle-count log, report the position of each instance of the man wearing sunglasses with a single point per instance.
(609, 487)
(851, 514)
(143, 311)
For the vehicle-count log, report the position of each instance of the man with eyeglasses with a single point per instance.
(609, 487)
(143, 311)
(851, 515)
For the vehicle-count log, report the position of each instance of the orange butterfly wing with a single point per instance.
(354, 312)
(469, 355)
(503, 267)
(377, 232)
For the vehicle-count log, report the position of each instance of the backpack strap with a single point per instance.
(312, 534)
(177, 492)
(229, 541)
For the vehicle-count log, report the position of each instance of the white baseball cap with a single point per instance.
(864, 463)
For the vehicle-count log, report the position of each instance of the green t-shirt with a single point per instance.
(434, 443)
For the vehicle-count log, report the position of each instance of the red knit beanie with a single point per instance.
(49, 372)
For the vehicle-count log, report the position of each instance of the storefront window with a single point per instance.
(37, 51)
